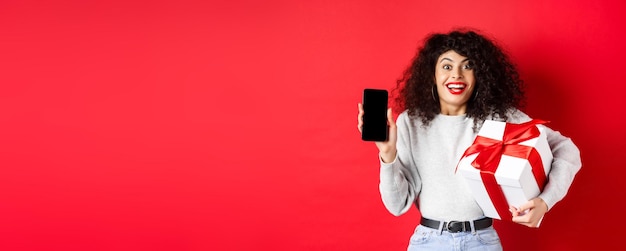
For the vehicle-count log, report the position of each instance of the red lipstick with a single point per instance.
(456, 88)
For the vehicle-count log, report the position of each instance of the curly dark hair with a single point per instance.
(498, 86)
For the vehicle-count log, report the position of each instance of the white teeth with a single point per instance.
(457, 86)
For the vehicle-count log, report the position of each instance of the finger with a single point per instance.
(530, 219)
(524, 219)
(390, 118)
(514, 211)
(360, 118)
(526, 222)
(519, 216)
(393, 129)
(528, 205)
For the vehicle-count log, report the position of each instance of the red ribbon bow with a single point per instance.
(490, 152)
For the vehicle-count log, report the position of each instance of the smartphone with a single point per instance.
(375, 126)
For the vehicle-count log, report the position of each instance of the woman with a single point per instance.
(455, 82)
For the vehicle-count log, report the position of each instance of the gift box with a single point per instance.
(506, 165)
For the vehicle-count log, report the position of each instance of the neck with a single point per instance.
(453, 110)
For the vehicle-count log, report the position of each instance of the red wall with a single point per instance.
(231, 125)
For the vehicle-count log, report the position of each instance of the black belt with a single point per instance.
(458, 226)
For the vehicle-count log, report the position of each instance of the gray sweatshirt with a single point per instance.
(424, 169)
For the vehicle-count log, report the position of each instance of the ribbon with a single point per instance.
(490, 152)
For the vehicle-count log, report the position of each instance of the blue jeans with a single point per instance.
(425, 238)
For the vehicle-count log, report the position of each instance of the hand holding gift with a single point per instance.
(530, 213)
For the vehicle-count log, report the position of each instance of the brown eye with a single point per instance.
(447, 67)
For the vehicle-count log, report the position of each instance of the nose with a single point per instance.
(457, 74)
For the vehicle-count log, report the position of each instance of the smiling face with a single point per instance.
(454, 77)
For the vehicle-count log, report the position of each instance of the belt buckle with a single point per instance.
(455, 230)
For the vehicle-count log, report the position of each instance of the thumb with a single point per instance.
(390, 118)
(528, 205)
(514, 211)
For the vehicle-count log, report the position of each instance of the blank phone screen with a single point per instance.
(374, 115)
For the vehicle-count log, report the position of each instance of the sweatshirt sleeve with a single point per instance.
(399, 181)
(566, 163)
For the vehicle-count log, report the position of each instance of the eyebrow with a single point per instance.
(466, 59)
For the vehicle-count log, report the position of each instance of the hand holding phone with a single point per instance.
(387, 148)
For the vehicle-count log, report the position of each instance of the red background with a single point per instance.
(231, 125)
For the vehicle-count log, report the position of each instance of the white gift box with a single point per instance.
(514, 175)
